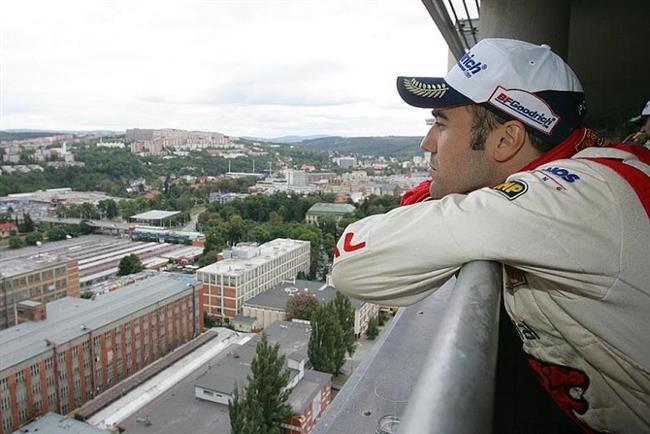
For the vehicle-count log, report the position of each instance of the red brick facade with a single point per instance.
(111, 353)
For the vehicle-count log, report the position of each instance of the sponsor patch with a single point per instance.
(470, 66)
(526, 107)
(562, 173)
(512, 189)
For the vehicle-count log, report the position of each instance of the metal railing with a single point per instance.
(455, 390)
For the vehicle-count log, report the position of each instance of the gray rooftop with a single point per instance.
(54, 423)
(67, 316)
(178, 411)
(276, 298)
(26, 259)
(154, 215)
(331, 208)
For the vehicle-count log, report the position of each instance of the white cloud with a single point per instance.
(263, 68)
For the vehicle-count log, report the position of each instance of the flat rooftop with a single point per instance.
(268, 252)
(178, 411)
(331, 208)
(154, 215)
(65, 195)
(69, 318)
(54, 423)
(276, 298)
(85, 249)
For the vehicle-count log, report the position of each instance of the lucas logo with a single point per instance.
(469, 66)
(562, 173)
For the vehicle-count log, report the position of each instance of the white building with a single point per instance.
(249, 269)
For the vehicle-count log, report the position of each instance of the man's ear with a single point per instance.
(510, 140)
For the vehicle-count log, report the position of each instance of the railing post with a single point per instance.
(455, 391)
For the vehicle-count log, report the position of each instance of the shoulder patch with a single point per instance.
(512, 189)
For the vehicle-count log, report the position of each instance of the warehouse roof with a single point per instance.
(69, 318)
(276, 298)
(331, 208)
(154, 215)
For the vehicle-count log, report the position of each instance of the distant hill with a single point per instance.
(23, 135)
(389, 146)
(290, 140)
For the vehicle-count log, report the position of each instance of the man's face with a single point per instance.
(455, 167)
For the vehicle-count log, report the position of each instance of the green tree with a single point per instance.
(85, 228)
(15, 242)
(241, 420)
(373, 329)
(108, 208)
(263, 406)
(33, 238)
(345, 315)
(325, 343)
(27, 225)
(301, 306)
(207, 258)
(129, 264)
(56, 233)
(208, 321)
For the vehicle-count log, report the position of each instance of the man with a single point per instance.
(515, 179)
(641, 137)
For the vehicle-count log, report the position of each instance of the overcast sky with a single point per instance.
(254, 68)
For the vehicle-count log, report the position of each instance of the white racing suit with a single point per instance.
(574, 238)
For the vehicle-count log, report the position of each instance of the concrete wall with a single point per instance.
(605, 42)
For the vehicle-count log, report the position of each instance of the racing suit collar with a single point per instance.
(578, 140)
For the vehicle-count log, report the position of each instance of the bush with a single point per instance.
(373, 329)
(15, 242)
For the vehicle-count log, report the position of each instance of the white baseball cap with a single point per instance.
(515, 79)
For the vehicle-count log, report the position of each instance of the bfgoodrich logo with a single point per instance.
(526, 107)
(469, 66)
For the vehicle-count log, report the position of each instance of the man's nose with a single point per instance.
(430, 142)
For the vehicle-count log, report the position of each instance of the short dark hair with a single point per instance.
(484, 121)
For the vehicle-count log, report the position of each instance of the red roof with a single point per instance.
(6, 227)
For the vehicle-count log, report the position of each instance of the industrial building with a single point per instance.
(249, 269)
(193, 405)
(270, 306)
(81, 348)
(37, 276)
(334, 211)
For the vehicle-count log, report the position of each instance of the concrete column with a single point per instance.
(538, 22)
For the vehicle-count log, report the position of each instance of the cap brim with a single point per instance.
(638, 120)
(430, 92)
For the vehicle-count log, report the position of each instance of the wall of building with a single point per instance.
(225, 293)
(305, 422)
(45, 284)
(264, 317)
(67, 375)
(601, 40)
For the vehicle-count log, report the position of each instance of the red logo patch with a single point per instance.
(348, 246)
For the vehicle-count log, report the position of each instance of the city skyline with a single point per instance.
(246, 68)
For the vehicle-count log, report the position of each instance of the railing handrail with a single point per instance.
(455, 391)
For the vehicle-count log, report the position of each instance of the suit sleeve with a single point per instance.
(537, 222)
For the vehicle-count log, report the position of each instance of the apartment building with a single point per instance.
(83, 347)
(248, 270)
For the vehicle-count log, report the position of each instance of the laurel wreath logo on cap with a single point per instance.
(425, 90)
